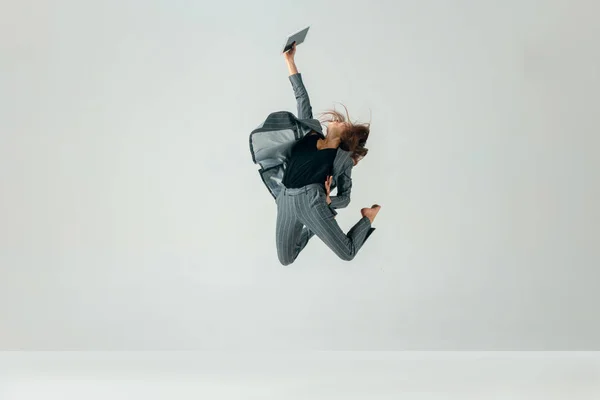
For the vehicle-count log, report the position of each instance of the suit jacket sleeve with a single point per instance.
(302, 100)
(344, 187)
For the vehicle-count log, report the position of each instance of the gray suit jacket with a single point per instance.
(272, 141)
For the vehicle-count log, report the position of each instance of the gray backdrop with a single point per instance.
(132, 217)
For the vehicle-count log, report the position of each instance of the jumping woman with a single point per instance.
(300, 166)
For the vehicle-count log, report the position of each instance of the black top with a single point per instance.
(308, 164)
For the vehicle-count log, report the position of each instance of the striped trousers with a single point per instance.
(302, 213)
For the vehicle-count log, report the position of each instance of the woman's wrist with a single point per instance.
(292, 66)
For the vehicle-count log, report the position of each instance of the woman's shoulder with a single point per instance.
(343, 160)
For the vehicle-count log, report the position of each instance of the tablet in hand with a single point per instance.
(297, 38)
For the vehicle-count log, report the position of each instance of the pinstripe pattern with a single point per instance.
(302, 213)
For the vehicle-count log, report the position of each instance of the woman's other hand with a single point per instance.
(328, 188)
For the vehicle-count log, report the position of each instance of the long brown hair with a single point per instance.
(354, 137)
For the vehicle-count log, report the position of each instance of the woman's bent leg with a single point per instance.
(318, 217)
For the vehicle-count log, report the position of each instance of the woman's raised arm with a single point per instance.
(302, 99)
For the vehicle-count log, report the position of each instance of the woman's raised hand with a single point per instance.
(289, 55)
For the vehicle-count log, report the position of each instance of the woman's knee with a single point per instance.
(347, 256)
(285, 259)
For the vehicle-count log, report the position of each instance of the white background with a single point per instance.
(309, 375)
(132, 217)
